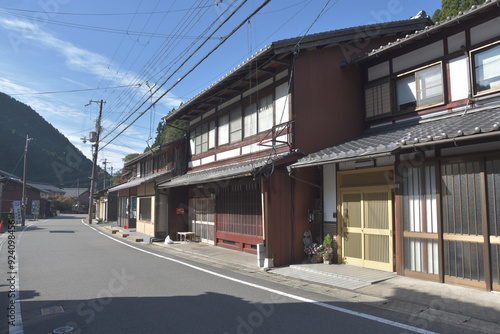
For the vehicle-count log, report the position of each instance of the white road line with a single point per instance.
(295, 297)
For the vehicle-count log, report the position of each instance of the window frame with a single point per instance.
(414, 73)
(262, 109)
(204, 139)
(149, 210)
(233, 125)
(473, 74)
(378, 98)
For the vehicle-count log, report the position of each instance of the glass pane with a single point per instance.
(204, 137)
(487, 69)
(197, 140)
(223, 129)
(282, 104)
(352, 244)
(495, 260)
(352, 210)
(265, 113)
(376, 210)
(493, 196)
(192, 215)
(377, 248)
(235, 126)
(429, 86)
(406, 93)
(133, 207)
(145, 209)
(250, 120)
(211, 135)
(204, 231)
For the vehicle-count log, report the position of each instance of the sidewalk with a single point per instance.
(476, 309)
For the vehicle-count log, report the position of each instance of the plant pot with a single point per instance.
(327, 258)
(315, 258)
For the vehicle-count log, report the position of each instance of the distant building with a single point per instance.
(11, 190)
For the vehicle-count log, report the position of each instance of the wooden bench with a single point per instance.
(185, 236)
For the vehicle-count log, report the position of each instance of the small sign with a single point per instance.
(35, 207)
(16, 207)
(179, 211)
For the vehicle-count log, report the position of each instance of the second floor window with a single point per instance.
(266, 113)
(419, 89)
(204, 137)
(250, 120)
(486, 69)
(235, 126)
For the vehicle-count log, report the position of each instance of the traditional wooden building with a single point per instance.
(106, 208)
(290, 98)
(11, 190)
(417, 192)
(141, 205)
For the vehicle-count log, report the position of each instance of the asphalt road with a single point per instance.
(71, 276)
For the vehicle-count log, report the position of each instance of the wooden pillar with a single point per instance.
(484, 216)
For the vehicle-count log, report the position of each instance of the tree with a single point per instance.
(451, 8)
(130, 156)
(167, 133)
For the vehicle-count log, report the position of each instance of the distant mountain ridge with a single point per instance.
(52, 158)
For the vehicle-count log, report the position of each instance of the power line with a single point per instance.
(185, 21)
(100, 14)
(99, 29)
(75, 90)
(196, 65)
(178, 68)
(167, 45)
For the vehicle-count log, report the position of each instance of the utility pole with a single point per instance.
(105, 162)
(111, 183)
(94, 166)
(23, 201)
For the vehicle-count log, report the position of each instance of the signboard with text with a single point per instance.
(35, 207)
(16, 207)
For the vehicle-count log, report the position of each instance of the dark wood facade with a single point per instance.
(313, 103)
(427, 168)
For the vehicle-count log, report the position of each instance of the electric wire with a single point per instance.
(95, 28)
(196, 65)
(185, 61)
(97, 14)
(117, 101)
(167, 46)
(73, 90)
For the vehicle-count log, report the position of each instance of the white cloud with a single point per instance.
(59, 109)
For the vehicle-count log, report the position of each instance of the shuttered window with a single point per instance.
(378, 100)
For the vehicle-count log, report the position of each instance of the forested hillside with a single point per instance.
(52, 159)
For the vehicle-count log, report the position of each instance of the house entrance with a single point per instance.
(366, 223)
(201, 219)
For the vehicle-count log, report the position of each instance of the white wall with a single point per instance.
(329, 192)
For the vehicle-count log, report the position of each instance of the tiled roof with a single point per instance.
(74, 192)
(437, 27)
(385, 140)
(137, 181)
(241, 169)
(288, 45)
(11, 177)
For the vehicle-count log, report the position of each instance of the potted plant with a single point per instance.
(313, 252)
(327, 250)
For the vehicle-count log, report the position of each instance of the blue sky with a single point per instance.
(57, 55)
